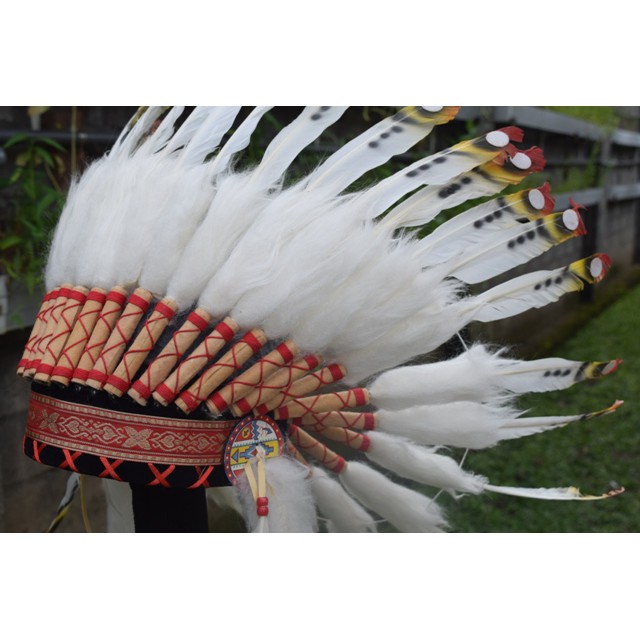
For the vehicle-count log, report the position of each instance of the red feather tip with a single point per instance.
(515, 133)
(549, 200)
(575, 206)
(536, 155)
(612, 366)
(581, 229)
(605, 261)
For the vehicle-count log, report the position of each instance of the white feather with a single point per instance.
(135, 132)
(470, 425)
(508, 248)
(421, 464)
(238, 141)
(469, 227)
(437, 169)
(342, 511)
(469, 376)
(207, 137)
(541, 493)
(529, 291)
(464, 424)
(371, 149)
(292, 139)
(408, 510)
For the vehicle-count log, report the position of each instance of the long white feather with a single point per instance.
(469, 227)
(436, 169)
(470, 425)
(532, 290)
(555, 493)
(508, 248)
(478, 375)
(421, 464)
(291, 140)
(238, 141)
(208, 135)
(131, 138)
(485, 180)
(189, 128)
(407, 510)
(465, 424)
(375, 146)
(161, 136)
(340, 509)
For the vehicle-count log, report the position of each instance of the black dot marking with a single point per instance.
(548, 283)
(566, 372)
(557, 372)
(559, 280)
(325, 108)
(466, 180)
(396, 128)
(531, 234)
(440, 159)
(511, 244)
(455, 187)
(316, 116)
(477, 224)
(443, 193)
(424, 167)
(547, 374)
(497, 214)
(489, 218)
(373, 144)
(520, 239)
(538, 287)
(386, 134)
(412, 174)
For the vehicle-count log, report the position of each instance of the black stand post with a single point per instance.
(162, 510)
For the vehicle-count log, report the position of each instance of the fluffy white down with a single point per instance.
(291, 504)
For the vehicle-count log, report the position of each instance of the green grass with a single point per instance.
(595, 456)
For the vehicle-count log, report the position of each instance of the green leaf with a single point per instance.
(10, 241)
(16, 139)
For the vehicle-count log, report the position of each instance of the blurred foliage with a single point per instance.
(605, 117)
(34, 200)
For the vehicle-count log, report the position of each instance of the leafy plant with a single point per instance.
(33, 200)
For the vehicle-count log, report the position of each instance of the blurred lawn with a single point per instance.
(595, 456)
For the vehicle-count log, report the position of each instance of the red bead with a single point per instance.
(262, 502)
(263, 511)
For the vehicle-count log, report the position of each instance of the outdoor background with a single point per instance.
(593, 156)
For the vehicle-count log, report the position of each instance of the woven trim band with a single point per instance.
(126, 436)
